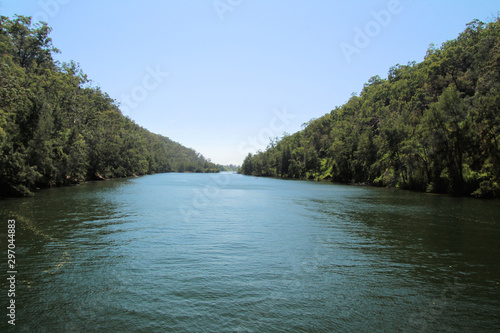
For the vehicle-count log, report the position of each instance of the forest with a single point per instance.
(432, 126)
(57, 129)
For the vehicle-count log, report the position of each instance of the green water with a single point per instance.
(230, 253)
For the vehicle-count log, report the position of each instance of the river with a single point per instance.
(231, 253)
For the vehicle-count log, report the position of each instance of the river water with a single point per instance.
(232, 253)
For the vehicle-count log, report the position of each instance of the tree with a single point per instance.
(432, 126)
(57, 129)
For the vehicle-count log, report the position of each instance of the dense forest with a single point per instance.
(432, 126)
(58, 129)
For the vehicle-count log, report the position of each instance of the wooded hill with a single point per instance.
(432, 126)
(58, 129)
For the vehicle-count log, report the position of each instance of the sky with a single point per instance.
(225, 76)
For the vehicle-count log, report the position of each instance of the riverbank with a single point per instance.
(390, 187)
(16, 193)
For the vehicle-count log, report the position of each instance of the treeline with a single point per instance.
(57, 129)
(230, 167)
(432, 126)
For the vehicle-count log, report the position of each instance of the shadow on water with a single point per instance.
(59, 240)
(445, 247)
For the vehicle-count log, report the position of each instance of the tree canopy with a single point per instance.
(57, 129)
(431, 126)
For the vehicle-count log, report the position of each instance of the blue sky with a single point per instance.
(222, 76)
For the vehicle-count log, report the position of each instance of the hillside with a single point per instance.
(57, 129)
(432, 126)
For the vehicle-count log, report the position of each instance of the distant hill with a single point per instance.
(432, 126)
(56, 129)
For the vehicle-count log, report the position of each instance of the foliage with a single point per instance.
(432, 126)
(56, 129)
(230, 168)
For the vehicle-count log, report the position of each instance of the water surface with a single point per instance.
(231, 253)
